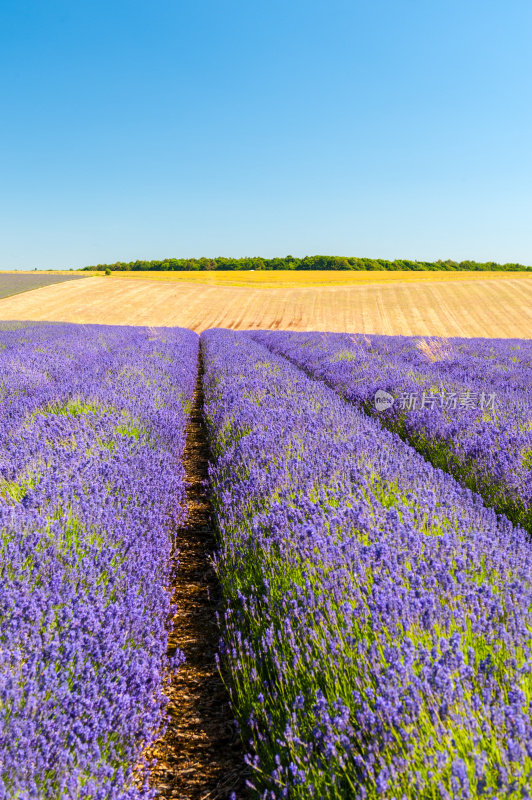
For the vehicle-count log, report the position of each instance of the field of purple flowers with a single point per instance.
(92, 423)
(378, 615)
(463, 403)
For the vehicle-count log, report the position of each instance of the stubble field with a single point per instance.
(438, 304)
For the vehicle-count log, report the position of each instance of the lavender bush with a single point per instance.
(92, 426)
(378, 614)
(463, 403)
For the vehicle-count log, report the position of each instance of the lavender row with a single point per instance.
(378, 615)
(463, 404)
(33, 362)
(506, 361)
(91, 483)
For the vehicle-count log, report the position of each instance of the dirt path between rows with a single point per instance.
(201, 756)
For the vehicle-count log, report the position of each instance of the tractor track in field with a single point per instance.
(201, 755)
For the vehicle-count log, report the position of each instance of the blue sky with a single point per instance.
(392, 128)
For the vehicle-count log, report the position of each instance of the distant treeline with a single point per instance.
(308, 262)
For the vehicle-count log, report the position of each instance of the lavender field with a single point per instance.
(374, 567)
(12, 283)
(91, 483)
(463, 403)
(378, 613)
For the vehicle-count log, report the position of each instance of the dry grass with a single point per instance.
(293, 279)
(439, 304)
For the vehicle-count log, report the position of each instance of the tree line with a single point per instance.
(308, 262)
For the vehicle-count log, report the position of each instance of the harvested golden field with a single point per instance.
(439, 304)
(300, 278)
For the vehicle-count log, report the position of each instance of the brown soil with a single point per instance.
(201, 755)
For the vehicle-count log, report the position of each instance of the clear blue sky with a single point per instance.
(384, 128)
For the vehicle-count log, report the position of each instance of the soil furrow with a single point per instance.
(201, 756)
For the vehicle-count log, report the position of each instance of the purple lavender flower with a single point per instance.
(463, 403)
(91, 481)
(378, 613)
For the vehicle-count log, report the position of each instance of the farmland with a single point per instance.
(426, 304)
(12, 283)
(91, 478)
(172, 504)
(271, 279)
(461, 403)
(370, 626)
